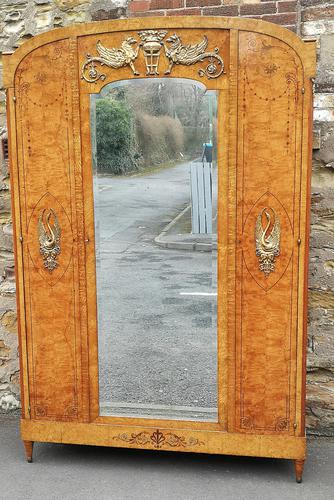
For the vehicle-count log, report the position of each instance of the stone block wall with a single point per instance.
(314, 19)
(317, 22)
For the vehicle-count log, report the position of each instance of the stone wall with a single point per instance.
(317, 21)
(22, 19)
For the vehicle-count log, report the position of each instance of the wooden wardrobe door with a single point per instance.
(268, 202)
(50, 183)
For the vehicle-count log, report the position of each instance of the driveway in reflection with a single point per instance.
(157, 308)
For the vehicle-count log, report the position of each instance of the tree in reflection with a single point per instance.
(145, 123)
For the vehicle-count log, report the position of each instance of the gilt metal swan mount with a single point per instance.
(49, 233)
(151, 44)
(267, 239)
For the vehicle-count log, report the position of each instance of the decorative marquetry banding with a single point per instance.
(282, 424)
(158, 439)
(79, 215)
(41, 411)
(247, 423)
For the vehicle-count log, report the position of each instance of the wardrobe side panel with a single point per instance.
(268, 190)
(43, 88)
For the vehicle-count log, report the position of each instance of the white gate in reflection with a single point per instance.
(201, 197)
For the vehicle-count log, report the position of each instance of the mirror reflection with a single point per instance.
(154, 148)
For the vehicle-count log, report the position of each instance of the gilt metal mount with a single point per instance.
(49, 233)
(152, 42)
(267, 240)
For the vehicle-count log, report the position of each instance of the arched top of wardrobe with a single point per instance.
(304, 49)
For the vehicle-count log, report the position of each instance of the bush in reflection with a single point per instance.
(116, 150)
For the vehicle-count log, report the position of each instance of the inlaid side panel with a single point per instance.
(47, 185)
(267, 226)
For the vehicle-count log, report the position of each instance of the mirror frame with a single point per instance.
(219, 84)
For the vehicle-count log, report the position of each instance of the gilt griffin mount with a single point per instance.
(152, 42)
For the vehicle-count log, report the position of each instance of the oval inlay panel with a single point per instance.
(281, 261)
(49, 202)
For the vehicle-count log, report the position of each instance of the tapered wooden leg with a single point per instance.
(299, 467)
(28, 446)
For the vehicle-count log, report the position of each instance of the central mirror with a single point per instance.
(154, 144)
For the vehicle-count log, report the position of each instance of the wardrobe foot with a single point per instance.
(28, 446)
(299, 467)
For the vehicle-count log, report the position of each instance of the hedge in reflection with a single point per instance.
(115, 145)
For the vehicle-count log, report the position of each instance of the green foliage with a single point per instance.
(143, 123)
(116, 151)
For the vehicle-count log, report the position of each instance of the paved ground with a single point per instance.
(157, 343)
(65, 472)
